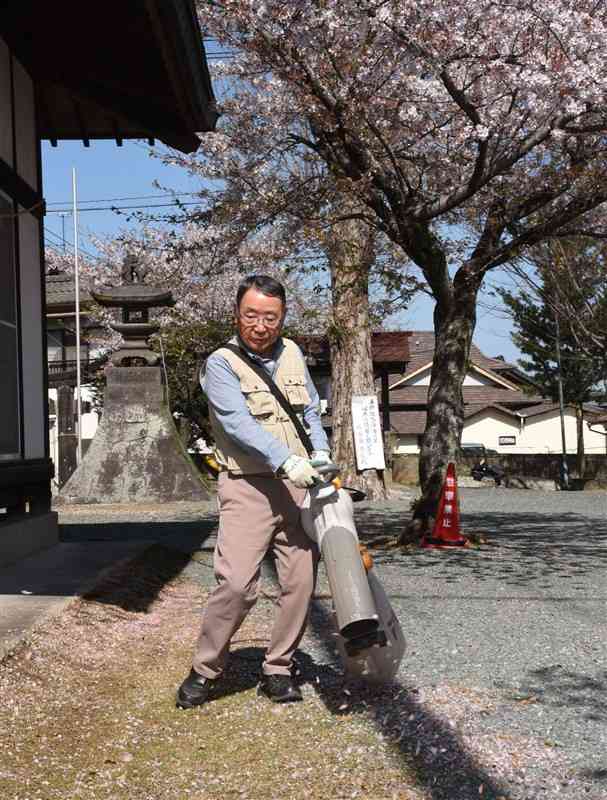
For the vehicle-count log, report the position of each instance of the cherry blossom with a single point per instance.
(466, 133)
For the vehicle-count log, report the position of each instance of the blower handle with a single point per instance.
(329, 472)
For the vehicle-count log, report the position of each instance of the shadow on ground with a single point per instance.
(135, 585)
(427, 744)
(523, 549)
(173, 534)
(563, 688)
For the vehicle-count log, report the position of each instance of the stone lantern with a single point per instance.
(135, 300)
(136, 455)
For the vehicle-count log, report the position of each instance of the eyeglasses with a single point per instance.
(269, 321)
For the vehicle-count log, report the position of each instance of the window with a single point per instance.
(10, 446)
(504, 440)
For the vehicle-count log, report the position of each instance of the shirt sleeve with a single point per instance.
(311, 416)
(221, 385)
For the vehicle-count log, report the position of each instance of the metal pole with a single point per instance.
(77, 293)
(564, 468)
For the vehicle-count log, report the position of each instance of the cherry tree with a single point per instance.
(257, 183)
(464, 132)
(184, 260)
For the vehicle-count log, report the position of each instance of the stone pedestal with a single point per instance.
(66, 433)
(136, 455)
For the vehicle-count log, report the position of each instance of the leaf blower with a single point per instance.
(369, 638)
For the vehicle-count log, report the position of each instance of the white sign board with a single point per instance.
(367, 433)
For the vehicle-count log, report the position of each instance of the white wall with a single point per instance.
(473, 378)
(421, 379)
(90, 421)
(406, 444)
(34, 405)
(486, 428)
(543, 435)
(540, 434)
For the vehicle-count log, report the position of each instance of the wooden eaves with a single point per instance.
(116, 70)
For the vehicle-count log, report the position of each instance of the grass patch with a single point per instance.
(87, 709)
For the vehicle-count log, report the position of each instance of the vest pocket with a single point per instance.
(260, 403)
(296, 392)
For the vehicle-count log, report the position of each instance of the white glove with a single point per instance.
(300, 471)
(320, 457)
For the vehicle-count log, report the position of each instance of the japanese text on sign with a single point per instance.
(367, 433)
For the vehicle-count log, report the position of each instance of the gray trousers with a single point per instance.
(257, 515)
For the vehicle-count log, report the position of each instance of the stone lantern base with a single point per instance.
(136, 455)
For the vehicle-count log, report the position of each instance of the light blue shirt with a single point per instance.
(222, 387)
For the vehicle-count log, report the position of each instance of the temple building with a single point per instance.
(136, 70)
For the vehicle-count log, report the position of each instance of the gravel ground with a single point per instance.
(518, 626)
(503, 689)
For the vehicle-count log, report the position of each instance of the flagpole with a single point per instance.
(77, 293)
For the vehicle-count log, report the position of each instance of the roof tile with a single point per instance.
(485, 395)
(421, 350)
(387, 346)
(61, 290)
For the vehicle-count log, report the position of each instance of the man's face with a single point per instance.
(259, 320)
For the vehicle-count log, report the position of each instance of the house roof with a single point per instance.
(134, 70)
(411, 400)
(408, 422)
(547, 406)
(473, 395)
(421, 349)
(512, 372)
(421, 352)
(472, 410)
(388, 348)
(413, 422)
(60, 293)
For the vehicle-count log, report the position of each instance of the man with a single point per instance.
(265, 470)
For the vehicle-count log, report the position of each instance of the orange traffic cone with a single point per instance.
(446, 531)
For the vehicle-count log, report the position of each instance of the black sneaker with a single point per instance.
(194, 691)
(279, 689)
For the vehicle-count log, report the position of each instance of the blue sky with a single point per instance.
(105, 172)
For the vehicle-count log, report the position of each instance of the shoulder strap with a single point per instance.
(284, 403)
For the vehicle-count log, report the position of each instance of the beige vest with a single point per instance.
(290, 377)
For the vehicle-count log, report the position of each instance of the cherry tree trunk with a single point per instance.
(351, 255)
(454, 322)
